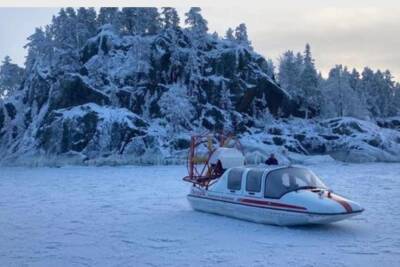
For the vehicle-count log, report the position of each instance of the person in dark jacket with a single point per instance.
(271, 160)
(218, 170)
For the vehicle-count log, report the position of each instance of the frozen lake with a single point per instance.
(139, 216)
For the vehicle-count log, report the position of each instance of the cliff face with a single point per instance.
(137, 99)
(137, 96)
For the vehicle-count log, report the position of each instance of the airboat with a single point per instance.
(280, 195)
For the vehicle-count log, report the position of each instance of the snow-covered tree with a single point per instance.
(354, 79)
(64, 29)
(86, 25)
(309, 95)
(241, 35)
(269, 68)
(129, 20)
(389, 107)
(195, 21)
(355, 83)
(148, 21)
(229, 35)
(140, 20)
(339, 98)
(396, 99)
(197, 26)
(170, 17)
(225, 99)
(367, 85)
(215, 35)
(290, 68)
(40, 49)
(379, 90)
(298, 75)
(107, 15)
(193, 74)
(176, 107)
(11, 76)
(175, 68)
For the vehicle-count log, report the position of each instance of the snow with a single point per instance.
(139, 216)
(121, 115)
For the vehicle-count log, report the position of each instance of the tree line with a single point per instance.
(369, 94)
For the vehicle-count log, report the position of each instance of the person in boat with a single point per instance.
(271, 160)
(218, 169)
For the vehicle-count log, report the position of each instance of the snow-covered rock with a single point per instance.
(91, 129)
(131, 94)
(345, 139)
(391, 123)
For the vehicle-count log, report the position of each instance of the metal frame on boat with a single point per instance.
(202, 170)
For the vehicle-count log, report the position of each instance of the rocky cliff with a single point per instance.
(135, 96)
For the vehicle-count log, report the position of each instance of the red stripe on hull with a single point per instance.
(341, 201)
(271, 204)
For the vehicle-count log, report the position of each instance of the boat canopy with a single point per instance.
(277, 181)
(229, 157)
(284, 180)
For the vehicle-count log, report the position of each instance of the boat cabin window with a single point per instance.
(253, 180)
(235, 179)
(281, 181)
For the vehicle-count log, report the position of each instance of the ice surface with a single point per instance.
(139, 216)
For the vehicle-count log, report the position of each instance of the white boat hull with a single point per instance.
(262, 214)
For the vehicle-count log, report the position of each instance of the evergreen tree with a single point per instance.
(379, 89)
(229, 35)
(195, 20)
(298, 75)
(86, 25)
(140, 20)
(225, 99)
(11, 76)
(355, 83)
(197, 26)
(149, 21)
(354, 79)
(170, 18)
(290, 68)
(108, 15)
(72, 27)
(241, 35)
(310, 95)
(64, 29)
(40, 49)
(176, 107)
(368, 85)
(396, 99)
(269, 68)
(129, 20)
(215, 35)
(193, 75)
(338, 96)
(387, 93)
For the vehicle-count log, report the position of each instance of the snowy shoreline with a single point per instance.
(344, 139)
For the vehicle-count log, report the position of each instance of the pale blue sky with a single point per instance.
(357, 34)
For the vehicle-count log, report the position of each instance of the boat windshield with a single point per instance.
(282, 181)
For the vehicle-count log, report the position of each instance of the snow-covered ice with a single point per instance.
(139, 216)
